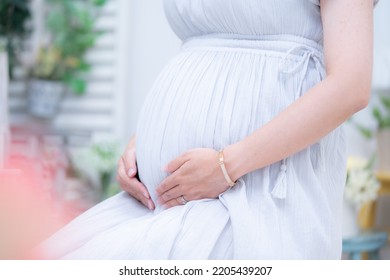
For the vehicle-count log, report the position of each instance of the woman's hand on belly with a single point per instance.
(195, 175)
(128, 179)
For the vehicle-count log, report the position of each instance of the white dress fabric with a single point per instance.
(241, 63)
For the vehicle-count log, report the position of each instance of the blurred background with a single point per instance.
(73, 78)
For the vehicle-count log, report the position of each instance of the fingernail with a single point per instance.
(150, 205)
(131, 172)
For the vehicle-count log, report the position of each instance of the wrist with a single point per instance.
(234, 163)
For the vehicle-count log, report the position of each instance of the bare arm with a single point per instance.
(345, 90)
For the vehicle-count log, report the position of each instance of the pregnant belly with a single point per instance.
(205, 99)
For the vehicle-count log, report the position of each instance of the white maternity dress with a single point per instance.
(241, 63)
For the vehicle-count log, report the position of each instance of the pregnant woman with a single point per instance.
(239, 151)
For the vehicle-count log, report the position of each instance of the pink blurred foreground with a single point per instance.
(29, 213)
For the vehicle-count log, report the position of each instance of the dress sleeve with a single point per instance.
(317, 2)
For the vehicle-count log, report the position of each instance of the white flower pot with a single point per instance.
(383, 149)
(44, 98)
(350, 220)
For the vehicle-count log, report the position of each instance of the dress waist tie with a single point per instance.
(279, 190)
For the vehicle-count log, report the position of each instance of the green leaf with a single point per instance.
(386, 102)
(78, 86)
(371, 161)
(378, 116)
(84, 66)
(99, 2)
(386, 122)
(367, 133)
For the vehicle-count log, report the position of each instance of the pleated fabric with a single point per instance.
(237, 69)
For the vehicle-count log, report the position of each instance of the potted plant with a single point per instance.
(60, 64)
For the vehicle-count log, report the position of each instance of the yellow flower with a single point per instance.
(356, 162)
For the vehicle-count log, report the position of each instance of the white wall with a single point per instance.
(153, 43)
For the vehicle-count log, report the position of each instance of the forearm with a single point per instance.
(311, 117)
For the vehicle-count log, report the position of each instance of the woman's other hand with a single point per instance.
(196, 174)
(127, 176)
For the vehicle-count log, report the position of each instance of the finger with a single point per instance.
(132, 185)
(148, 202)
(123, 178)
(173, 202)
(171, 194)
(175, 164)
(136, 189)
(121, 171)
(129, 160)
(167, 184)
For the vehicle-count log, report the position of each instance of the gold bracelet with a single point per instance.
(222, 164)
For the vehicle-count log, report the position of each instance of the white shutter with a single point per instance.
(95, 111)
